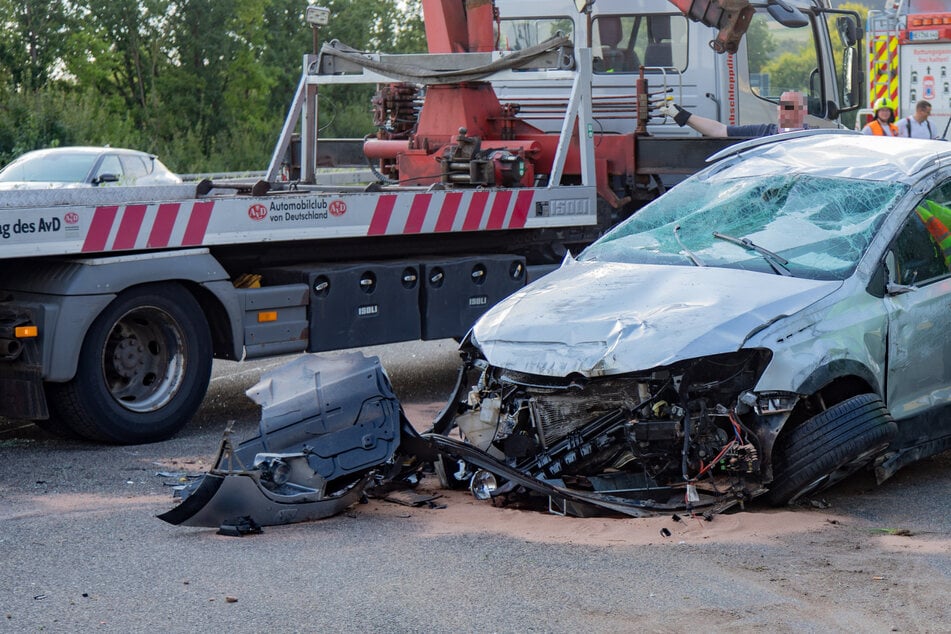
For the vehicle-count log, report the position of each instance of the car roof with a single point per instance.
(845, 154)
(87, 149)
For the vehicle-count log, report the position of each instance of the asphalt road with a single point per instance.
(81, 549)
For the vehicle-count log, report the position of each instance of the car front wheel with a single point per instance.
(829, 447)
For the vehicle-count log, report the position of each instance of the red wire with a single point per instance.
(715, 460)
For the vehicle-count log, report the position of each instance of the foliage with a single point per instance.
(760, 45)
(205, 84)
(33, 40)
(790, 70)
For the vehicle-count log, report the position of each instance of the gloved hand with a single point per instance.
(675, 112)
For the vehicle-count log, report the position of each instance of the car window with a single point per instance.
(622, 43)
(54, 167)
(134, 166)
(777, 65)
(110, 165)
(821, 226)
(922, 251)
(522, 33)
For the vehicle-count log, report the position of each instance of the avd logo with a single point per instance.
(71, 218)
(257, 212)
(337, 208)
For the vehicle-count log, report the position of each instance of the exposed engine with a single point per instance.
(668, 435)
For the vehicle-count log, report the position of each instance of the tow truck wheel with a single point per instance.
(829, 447)
(143, 368)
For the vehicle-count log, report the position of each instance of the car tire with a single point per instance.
(143, 369)
(829, 447)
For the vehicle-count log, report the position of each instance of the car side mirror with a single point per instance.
(105, 178)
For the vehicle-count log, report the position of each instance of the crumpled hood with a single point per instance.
(598, 318)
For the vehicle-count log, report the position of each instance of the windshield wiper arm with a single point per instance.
(777, 262)
(690, 254)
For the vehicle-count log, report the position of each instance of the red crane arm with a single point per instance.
(731, 17)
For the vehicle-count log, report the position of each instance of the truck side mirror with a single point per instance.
(787, 15)
(848, 30)
(852, 80)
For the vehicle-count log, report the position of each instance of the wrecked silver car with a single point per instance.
(767, 327)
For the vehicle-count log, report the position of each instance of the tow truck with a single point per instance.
(527, 131)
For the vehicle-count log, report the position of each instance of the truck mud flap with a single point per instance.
(21, 393)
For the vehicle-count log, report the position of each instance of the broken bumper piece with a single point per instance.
(221, 496)
(327, 423)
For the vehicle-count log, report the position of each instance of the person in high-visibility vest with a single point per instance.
(937, 219)
(883, 123)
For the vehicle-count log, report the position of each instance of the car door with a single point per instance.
(919, 309)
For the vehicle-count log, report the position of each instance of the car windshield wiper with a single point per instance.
(690, 254)
(774, 260)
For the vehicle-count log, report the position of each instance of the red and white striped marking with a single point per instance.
(115, 228)
(183, 224)
(397, 214)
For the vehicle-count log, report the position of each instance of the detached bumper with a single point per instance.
(327, 424)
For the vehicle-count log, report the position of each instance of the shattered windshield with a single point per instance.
(815, 227)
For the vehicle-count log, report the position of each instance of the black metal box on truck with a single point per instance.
(455, 292)
(357, 304)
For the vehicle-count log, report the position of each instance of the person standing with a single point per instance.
(883, 123)
(792, 113)
(917, 125)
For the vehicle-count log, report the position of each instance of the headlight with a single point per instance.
(483, 485)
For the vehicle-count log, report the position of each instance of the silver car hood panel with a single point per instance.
(598, 318)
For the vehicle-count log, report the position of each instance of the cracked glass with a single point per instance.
(820, 227)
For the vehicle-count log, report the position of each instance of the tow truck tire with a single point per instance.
(829, 447)
(143, 368)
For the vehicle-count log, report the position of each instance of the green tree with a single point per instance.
(373, 25)
(33, 40)
(203, 83)
(790, 71)
(760, 44)
(121, 40)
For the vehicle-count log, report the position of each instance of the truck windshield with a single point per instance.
(819, 226)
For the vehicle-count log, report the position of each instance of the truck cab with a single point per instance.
(741, 88)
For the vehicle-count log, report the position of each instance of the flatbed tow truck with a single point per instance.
(114, 301)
